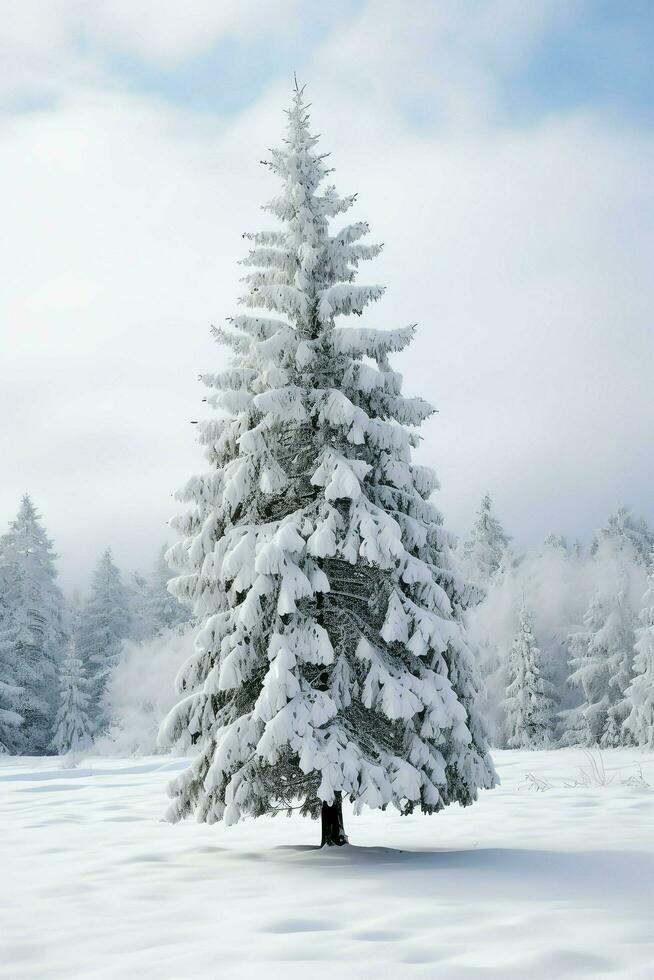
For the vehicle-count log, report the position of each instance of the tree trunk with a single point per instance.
(333, 833)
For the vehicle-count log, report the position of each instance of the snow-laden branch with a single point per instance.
(343, 299)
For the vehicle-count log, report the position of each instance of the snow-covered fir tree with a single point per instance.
(588, 672)
(530, 697)
(164, 610)
(484, 551)
(33, 633)
(332, 661)
(104, 622)
(626, 535)
(20, 656)
(556, 543)
(640, 693)
(138, 601)
(626, 543)
(600, 661)
(152, 607)
(72, 726)
(11, 694)
(619, 636)
(485, 558)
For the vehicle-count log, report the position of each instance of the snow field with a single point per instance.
(538, 883)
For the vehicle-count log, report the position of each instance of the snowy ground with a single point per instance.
(555, 882)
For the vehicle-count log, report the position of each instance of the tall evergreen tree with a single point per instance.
(332, 660)
(32, 632)
(484, 550)
(530, 697)
(640, 693)
(104, 622)
(72, 726)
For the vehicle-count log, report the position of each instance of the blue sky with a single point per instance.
(587, 52)
(594, 52)
(602, 55)
(503, 153)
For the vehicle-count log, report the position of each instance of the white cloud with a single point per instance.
(169, 31)
(446, 61)
(49, 48)
(524, 253)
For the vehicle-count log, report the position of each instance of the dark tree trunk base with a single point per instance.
(331, 817)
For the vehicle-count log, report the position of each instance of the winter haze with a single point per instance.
(503, 153)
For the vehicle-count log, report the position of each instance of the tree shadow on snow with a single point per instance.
(563, 874)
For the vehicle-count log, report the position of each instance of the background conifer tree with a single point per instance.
(33, 632)
(164, 610)
(587, 723)
(138, 602)
(626, 535)
(587, 673)
(601, 657)
(531, 699)
(640, 693)
(72, 726)
(619, 637)
(11, 693)
(104, 622)
(484, 550)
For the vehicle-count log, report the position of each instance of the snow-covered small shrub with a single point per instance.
(537, 784)
(636, 779)
(592, 774)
